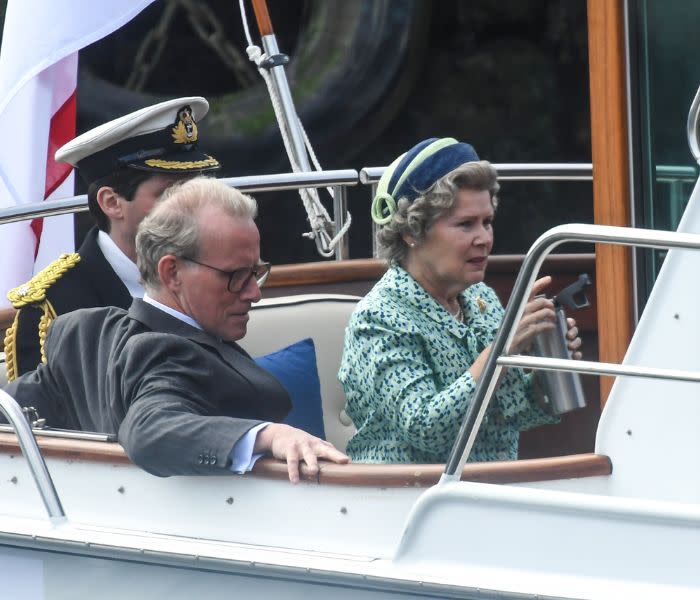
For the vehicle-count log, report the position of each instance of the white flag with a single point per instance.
(38, 71)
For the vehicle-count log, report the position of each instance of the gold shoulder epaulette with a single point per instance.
(35, 289)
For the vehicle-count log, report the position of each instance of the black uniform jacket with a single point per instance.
(178, 398)
(91, 282)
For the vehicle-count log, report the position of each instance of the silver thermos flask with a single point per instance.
(562, 389)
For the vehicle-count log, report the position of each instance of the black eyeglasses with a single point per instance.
(238, 279)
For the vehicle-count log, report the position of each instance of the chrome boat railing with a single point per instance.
(340, 180)
(514, 172)
(35, 461)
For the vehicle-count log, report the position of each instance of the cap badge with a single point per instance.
(185, 129)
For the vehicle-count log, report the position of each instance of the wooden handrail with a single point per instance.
(425, 475)
(69, 449)
(354, 474)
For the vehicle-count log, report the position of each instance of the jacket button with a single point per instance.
(200, 459)
(212, 461)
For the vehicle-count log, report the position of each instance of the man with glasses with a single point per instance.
(167, 376)
(239, 278)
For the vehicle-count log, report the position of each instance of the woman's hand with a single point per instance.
(538, 316)
(573, 341)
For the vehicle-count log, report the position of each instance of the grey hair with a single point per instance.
(416, 218)
(172, 227)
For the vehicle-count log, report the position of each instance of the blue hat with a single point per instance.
(415, 171)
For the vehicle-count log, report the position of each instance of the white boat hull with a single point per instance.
(130, 534)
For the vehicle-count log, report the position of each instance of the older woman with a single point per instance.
(417, 343)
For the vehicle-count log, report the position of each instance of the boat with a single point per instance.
(78, 519)
(621, 522)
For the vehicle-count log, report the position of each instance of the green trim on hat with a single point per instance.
(385, 179)
(381, 215)
(384, 204)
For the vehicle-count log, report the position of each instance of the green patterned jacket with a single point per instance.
(405, 374)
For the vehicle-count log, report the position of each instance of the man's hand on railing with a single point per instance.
(296, 446)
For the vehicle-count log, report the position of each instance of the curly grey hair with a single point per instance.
(172, 226)
(417, 217)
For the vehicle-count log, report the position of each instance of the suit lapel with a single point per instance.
(272, 399)
(158, 320)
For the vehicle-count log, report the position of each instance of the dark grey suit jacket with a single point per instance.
(178, 398)
(92, 282)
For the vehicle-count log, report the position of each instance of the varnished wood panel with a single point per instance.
(611, 188)
(321, 272)
(373, 268)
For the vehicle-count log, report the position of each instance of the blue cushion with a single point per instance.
(295, 368)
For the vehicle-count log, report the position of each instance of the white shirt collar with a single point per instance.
(125, 269)
(171, 311)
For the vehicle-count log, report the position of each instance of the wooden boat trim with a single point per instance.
(314, 273)
(611, 177)
(425, 475)
(388, 476)
(362, 269)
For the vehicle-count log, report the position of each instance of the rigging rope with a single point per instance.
(318, 216)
